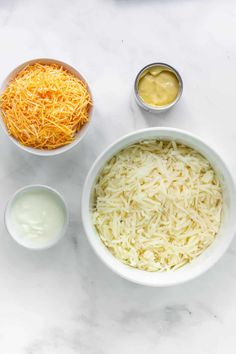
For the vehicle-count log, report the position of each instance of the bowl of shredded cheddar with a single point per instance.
(45, 106)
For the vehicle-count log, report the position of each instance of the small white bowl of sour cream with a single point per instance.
(36, 217)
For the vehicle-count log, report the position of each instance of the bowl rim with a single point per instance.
(83, 132)
(123, 270)
(36, 187)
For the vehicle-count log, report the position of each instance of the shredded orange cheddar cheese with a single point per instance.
(44, 106)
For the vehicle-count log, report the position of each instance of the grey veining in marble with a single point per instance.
(64, 300)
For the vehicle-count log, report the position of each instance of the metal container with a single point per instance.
(148, 107)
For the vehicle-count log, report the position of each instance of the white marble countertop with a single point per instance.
(64, 300)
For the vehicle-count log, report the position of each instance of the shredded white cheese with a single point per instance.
(157, 205)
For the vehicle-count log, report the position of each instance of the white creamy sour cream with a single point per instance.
(37, 217)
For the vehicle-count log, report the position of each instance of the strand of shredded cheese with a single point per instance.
(44, 106)
(157, 205)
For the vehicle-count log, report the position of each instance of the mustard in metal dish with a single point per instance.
(158, 86)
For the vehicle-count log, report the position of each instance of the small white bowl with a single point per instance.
(79, 136)
(23, 241)
(209, 257)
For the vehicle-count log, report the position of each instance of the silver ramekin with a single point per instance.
(160, 109)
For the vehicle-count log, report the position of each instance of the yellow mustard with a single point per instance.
(158, 86)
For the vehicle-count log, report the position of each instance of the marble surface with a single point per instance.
(64, 300)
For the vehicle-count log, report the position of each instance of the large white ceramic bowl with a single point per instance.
(79, 136)
(209, 257)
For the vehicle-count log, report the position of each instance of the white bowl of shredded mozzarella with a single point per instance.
(158, 206)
